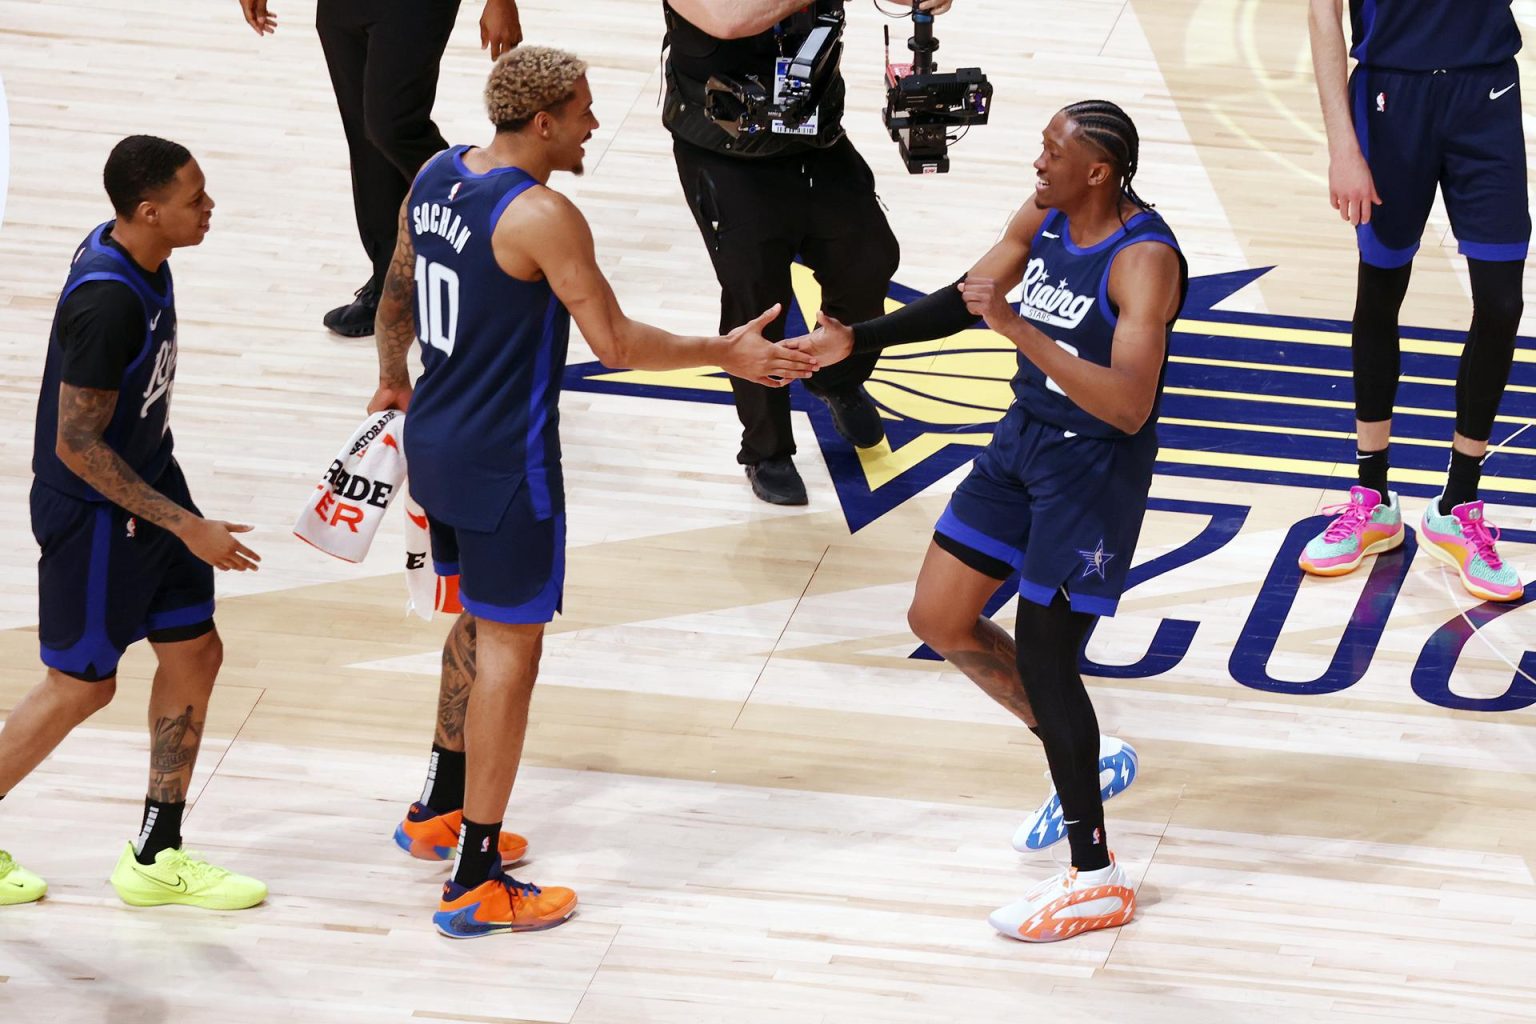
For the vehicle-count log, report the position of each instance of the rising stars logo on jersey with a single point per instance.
(1250, 398)
(1095, 561)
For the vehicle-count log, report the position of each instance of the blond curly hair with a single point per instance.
(529, 79)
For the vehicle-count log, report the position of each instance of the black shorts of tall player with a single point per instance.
(1433, 103)
(383, 57)
(125, 553)
(1058, 495)
(763, 200)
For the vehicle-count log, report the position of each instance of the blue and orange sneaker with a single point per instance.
(1465, 542)
(1118, 765)
(500, 904)
(1364, 525)
(428, 835)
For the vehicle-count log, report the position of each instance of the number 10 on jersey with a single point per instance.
(437, 305)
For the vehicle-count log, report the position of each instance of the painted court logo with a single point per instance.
(1252, 398)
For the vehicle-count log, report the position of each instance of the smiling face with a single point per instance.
(1069, 167)
(181, 210)
(568, 127)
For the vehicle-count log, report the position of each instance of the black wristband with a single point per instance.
(936, 315)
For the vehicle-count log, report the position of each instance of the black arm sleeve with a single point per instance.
(936, 315)
(101, 330)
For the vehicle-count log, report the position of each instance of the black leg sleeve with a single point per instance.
(1377, 353)
(1485, 363)
(1049, 639)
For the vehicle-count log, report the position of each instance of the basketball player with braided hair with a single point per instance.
(1059, 494)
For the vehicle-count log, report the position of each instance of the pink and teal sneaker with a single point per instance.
(1365, 525)
(1465, 541)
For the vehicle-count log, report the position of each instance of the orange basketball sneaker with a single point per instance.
(427, 835)
(500, 904)
(1069, 904)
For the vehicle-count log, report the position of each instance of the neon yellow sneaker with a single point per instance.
(17, 884)
(178, 876)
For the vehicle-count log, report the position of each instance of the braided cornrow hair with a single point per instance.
(1111, 129)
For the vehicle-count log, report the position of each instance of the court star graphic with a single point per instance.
(1248, 397)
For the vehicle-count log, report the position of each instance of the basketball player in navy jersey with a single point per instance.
(1434, 101)
(1059, 494)
(125, 553)
(490, 266)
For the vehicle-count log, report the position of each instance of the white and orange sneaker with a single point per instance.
(1465, 542)
(1364, 525)
(1069, 904)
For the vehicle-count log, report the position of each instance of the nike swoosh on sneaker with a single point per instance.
(465, 924)
(1494, 94)
(180, 886)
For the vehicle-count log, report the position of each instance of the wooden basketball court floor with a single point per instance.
(771, 809)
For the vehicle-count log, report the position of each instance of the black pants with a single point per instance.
(383, 56)
(756, 216)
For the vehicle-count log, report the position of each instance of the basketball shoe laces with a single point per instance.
(190, 864)
(518, 890)
(1352, 518)
(1482, 538)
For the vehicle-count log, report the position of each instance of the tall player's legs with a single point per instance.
(946, 614)
(1454, 527)
(155, 869)
(431, 827)
(1371, 521)
(481, 899)
(1095, 892)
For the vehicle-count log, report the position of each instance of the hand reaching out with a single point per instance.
(262, 21)
(500, 28)
(831, 341)
(753, 357)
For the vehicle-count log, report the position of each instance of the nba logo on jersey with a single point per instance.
(1381, 102)
(131, 527)
(454, 191)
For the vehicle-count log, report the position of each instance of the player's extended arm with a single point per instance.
(1144, 285)
(936, 315)
(83, 417)
(394, 325)
(564, 251)
(1350, 186)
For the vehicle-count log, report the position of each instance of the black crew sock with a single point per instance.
(161, 830)
(1371, 467)
(1090, 847)
(479, 853)
(444, 790)
(1461, 481)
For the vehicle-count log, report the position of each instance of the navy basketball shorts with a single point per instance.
(515, 573)
(107, 579)
(1457, 130)
(1063, 511)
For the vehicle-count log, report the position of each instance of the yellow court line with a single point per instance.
(1341, 435)
(1240, 396)
(1238, 364)
(1311, 336)
(1312, 467)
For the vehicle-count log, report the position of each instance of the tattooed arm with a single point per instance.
(84, 414)
(394, 327)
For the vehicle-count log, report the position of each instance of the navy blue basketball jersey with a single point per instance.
(1432, 35)
(484, 420)
(1066, 296)
(140, 429)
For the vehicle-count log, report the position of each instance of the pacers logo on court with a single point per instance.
(1248, 397)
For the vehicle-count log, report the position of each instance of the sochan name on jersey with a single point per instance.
(437, 219)
(1054, 304)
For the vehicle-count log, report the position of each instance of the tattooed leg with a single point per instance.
(178, 708)
(946, 615)
(458, 677)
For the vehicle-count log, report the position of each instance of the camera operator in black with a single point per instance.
(763, 198)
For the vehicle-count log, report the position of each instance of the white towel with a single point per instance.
(428, 591)
(343, 513)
